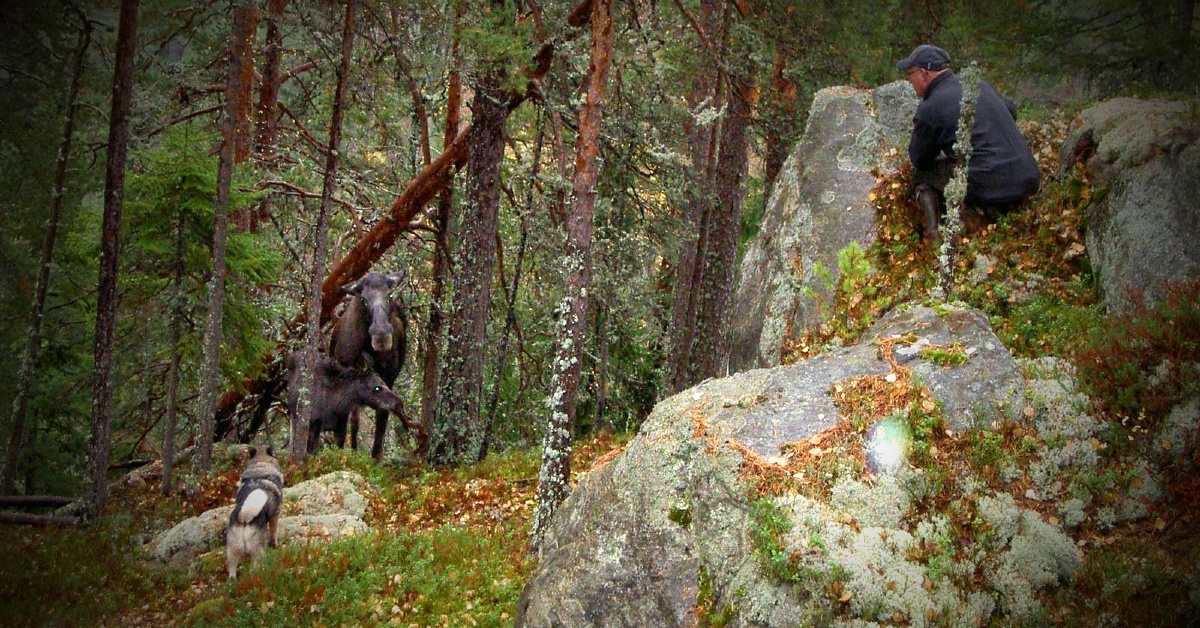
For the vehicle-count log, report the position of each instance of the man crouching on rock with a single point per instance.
(1001, 173)
(255, 518)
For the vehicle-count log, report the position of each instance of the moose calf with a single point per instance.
(337, 393)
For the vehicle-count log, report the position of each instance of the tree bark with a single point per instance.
(457, 431)
(441, 261)
(266, 121)
(100, 441)
(701, 146)
(554, 478)
(33, 338)
(18, 518)
(211, 374)
(35, 501)
(173, 374)
(711, 347)
(780, 125)
(312, 339)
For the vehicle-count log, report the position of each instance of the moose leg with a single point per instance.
(339, 430)
(381, 419)
(354, 420)
(314, 436)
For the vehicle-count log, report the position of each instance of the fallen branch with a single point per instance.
(35, 501)
(17, 518)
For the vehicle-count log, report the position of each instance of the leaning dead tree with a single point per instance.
(429, 183)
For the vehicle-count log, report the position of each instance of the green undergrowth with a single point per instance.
(448, 547)
(69, 577)
(445, 576)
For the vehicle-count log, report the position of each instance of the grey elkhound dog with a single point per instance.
(252, 525)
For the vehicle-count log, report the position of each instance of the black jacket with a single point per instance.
(1001, 169)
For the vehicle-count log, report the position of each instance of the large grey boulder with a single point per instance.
(630, 545)
(1143, 226)
(819, 205)
(328, 506)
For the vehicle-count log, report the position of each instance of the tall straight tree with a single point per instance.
(265, 114)
(312, 339)
(33, 337)
(100, 440)
(441, 252)
(701, 147)
(554, 478)
(458, 431)
(245, 21)
(710, 346)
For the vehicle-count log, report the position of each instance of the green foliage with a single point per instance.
(1046, 325)
(414, 577)
(1133, 581)
(768, 524)
(73, 577)
(709, 615)
(952, 356)
(680, 514)
(1140, 365)
(499, 40)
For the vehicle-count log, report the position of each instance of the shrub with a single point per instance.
(1144, 363)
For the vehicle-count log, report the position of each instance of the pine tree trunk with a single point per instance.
(176, 332)
(211, 373)
(312, 339)
(441, 262)
(711, 347)
(554, 478)
(266, 120)
(33, 338)
(100, 442)
(780, 125)
(701, 146)
(457, 431)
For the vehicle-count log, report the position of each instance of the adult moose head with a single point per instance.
(373, 330)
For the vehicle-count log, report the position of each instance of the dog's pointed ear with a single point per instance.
(253, 452)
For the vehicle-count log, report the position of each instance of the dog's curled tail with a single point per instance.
(255, 502)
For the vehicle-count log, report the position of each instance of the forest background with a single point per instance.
(460, 132)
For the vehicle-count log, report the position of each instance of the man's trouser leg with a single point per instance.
(930, 205)
(927, 192)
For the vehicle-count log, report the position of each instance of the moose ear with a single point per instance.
(353, 288)
(253, 452)
(271, 451)
(396, 279)
(368, 361)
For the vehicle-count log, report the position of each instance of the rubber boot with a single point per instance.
(930, 206)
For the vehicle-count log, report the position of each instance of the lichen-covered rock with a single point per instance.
(191, 537)
(328, 506)
(299, 528)
(337, 493)
(629, 546)
(1142, 157)
(818, 206)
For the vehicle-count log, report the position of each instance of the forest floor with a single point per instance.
(447, 548)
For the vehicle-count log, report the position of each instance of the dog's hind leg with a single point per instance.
(231, 561)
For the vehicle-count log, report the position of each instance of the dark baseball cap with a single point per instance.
(926, 57)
